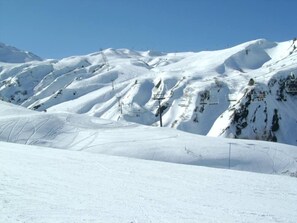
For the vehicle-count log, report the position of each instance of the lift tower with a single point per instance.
(159, 98)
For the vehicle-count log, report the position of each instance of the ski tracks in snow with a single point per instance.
(30, 140)
(83, 143)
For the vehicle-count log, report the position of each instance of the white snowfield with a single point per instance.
(202, 91)
(48, 185)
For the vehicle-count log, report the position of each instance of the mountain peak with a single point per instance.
(10, 54)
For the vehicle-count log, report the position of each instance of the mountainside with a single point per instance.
(247, 91)
(80, 142)
(9, 54)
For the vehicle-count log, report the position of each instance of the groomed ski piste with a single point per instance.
(87, 158)
(41, 184)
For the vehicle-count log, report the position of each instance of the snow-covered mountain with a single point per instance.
(9, 54)
(85, 155)
(240, 92)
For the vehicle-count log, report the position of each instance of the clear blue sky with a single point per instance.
(60, 28)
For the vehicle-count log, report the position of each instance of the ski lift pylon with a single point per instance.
(291, 84)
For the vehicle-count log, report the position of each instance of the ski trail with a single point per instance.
(132, 141)
(53, 131)
(6, 126)
(9, 139)
(92, 136)
(29, 141)
(50, 133)
(21, 130)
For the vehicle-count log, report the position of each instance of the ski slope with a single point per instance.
(47, 185)
(202, 91)
(93, 151)
(69, 131)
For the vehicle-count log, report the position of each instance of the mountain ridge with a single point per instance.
(202, 91)
(10, 54)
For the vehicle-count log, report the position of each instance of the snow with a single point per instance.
(48, 185)
(69, 131)
(94, 151)
(9, 54)
(121, 84)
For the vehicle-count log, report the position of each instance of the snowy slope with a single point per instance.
(74, 160)
(84, 133)
(9, 54)
(48, 185)
(202, 91)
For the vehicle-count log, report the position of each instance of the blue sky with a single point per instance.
(60, 28)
